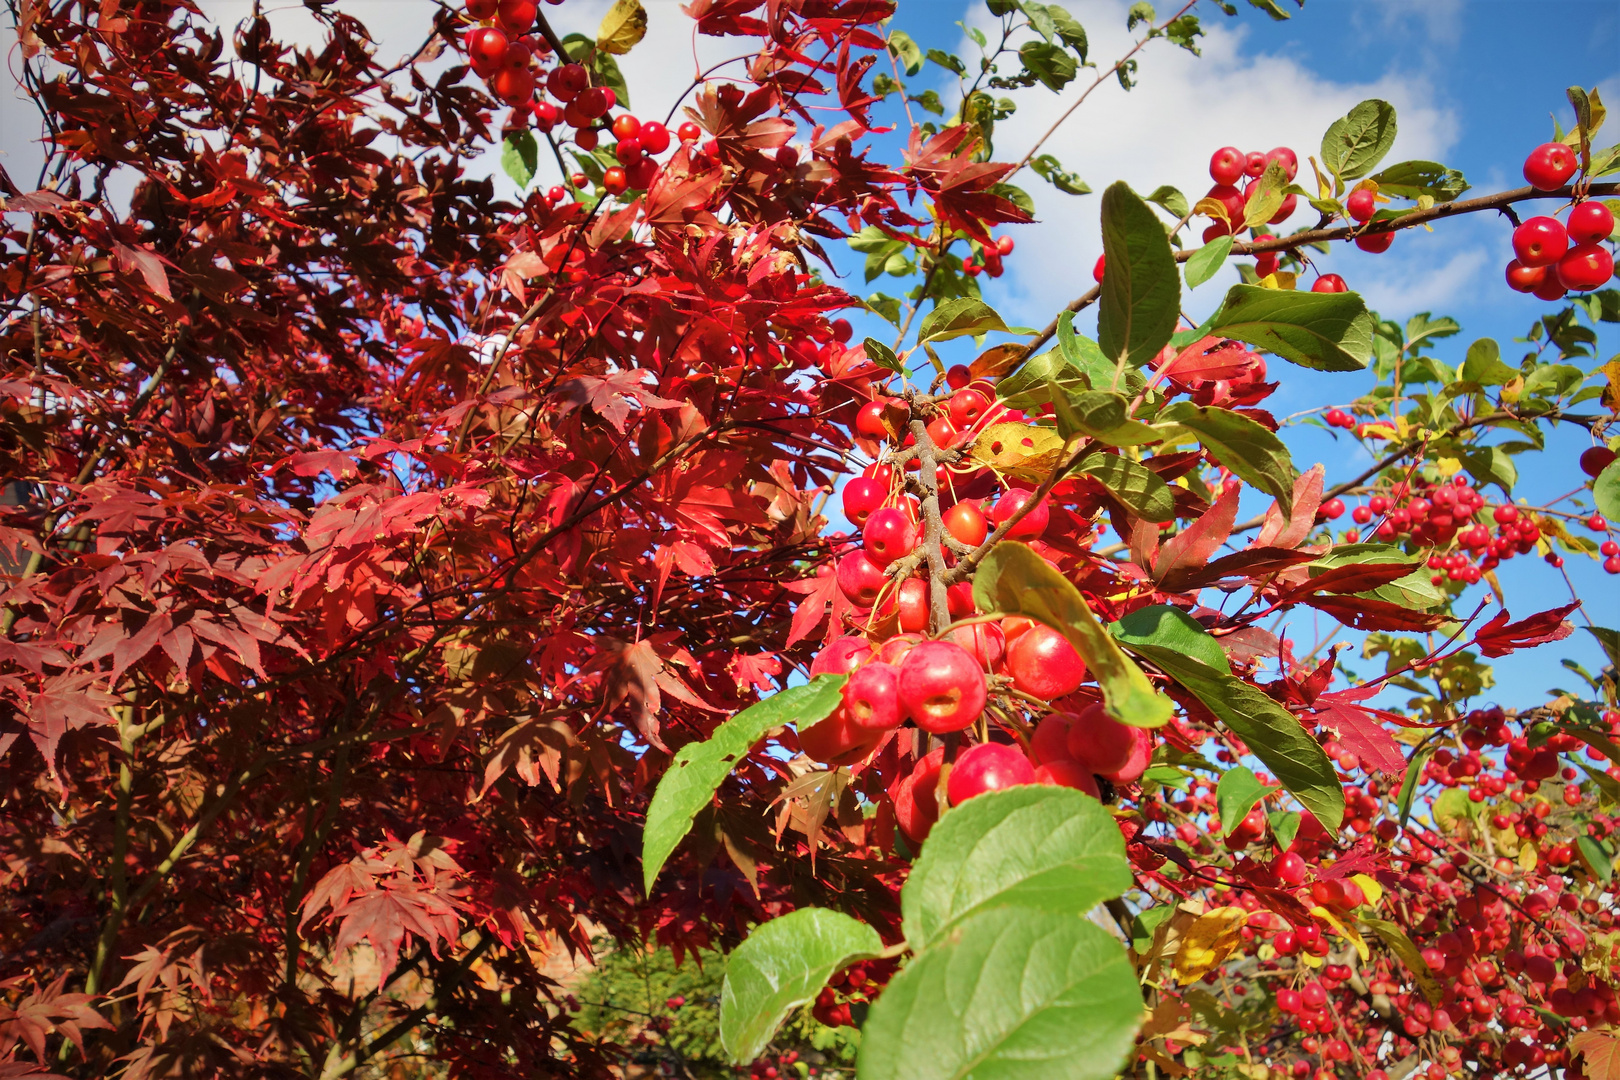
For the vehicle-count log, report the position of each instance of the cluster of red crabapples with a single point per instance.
(990, 256)
(1551, 256)
(857, 984)
(502, 51)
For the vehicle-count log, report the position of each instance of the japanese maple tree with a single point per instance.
(405, 588)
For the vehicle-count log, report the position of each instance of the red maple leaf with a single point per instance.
(1361, 727)
(963, 189)
(1500, 637)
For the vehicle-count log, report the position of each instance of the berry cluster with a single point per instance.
(502, 49)
(989, 258)
(1230, 166)
(857, 984)
(1553, 257)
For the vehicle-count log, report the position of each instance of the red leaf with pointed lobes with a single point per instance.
(1197, 542)
(1498, 637)
(1290, 533)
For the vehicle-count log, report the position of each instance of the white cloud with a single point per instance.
(1164, 131)
(1426, 281)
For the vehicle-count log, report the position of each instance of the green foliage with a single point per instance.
(1141, 292)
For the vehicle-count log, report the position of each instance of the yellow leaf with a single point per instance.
(1019, 450)
(1402, 946)
(1528, 856)
(1611, 371)
(1350, 934)
(1209, 942)
(1282, 279)
(1213, 208)
(1447, 466)
(1601, 1050)
(1373, 891)
(622, 27)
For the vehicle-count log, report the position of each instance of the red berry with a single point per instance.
(1597, 523)
(967, 523)
(987, 767)
(1609, 547)
(1070, 774)
(1265, 264)
(1362, 204)
(1594, 459)
(1004, 245)
(1525, 279)
(578, 179)
(1043, 664)
(628, 151)
(942, 687)
(1333, 508)
(1286, 158)
(1586, 267)
(689, 132)
(654, 137)
(487, 46)
(958, 375)
(887, 535)
(556, 194)
(1100, 743)
(1549, 166)
(1284, 211)
(1254, 163)
(641, 172)
(1540, 241)
(626, 126)
(860, 579)
(1376, 243)
(479, 10)
(836, 740)
(1097, 269)
(513, 85)
(967, 406)
(842, 331)
(567, 81)
(517, 16)
(1550, 289)
(871, 697)
(1051, 739)
(869, 422)
(1031, 524)
(517, 55)
(585, 138)
(1291, 869)
(1226, 166)
(1590, 222)
(841, 656)
(1611, 565)
(1330, 283)
(862, 496)
(1232, 200)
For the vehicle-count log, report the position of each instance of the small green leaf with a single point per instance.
(1409, 786)
(1052, 169)
(1606, 491)
(1015, 580)
(1325, 331)
(1267, 198)
(1236, 793)
(1357, 142)
(1271, 732)
(1483, 365)
(1609, 640)
(1415, 179)
(1491, 465)
(1141, 293)
(1243, 445)
(1284, 827)
(520, 157)
(1015, 995)
(698, 768)
(1171, 628)
(959, 317)
(1050, 64)
(1146, 924)
(883, 356)
(1600, 862)
(781, 965)
(906, 50)
(1171, 199)
(1207, 260)
(1132, 483)
(1036, 846)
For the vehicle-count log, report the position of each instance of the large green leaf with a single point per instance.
(520, 157)
(1235, 795)
(1015, 994)
(959, 317)
(782, 965)
(1132, 483)
(1325, 331)
(1034, 846)
(698, 768)
(1243, 445)
(1051, 64)
(1141, 292)
(1415, 179)
(1483, 364)
(1606, 491)
(1357, 142)
(1101, 372)
(1171, 628)
(1272, 733)
(1207, 260)
(1015, 580)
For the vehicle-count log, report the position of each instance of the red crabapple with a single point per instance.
(862, 496)
(913, 605)
(888, 534)
(1375, 243)
(1549, 165)
(967, 523)
(1330, 283)
(836, 740)
(987, 767)
(1062, 772)
(1043, 664)
(1362, 204)
(841, 656)
(1051, 739)
(1031, 524)
(860, 579)
(1227, 164)
(1525, 279)
(942, 687)
(1590, 222)
(1585, 268)
(1540, 241)
(871, 697)
(1100, 743)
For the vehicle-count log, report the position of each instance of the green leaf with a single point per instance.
(959, 317)
(1609, 640)
(1085, 354)
(1606, 491)
(698, 768)
(1284, 827)
(781, 965)
(1132, 483)
(1015, 995)
(1267, 198)
(906, 50)
(1173, 201)
(1015, 580)
(1068, 30)
(1358, 141)
(1236, 793)
(1272, 733)
(1325, 331)
(520, 157)
(1491, 465)
(883, 356)
(1141, 293)
(1243, 445)
(1034, 846)
(1146, 924)
(1171, 628)
(1051, 64)
(1272, 8)
(948, 61)
(1409, 786)
(1483, 364)
(1207, 260)
(1600, 862)
(1415, 179)
(1052, 169)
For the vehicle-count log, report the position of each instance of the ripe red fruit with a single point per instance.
(1590, 222)
(1376, 243)
(1362, 204)
(1265, 264)
(512, 85)
(943, 431)
(967, 523)
(487, 46)
(1031, 524)
(614, 181)
(1254, 163)
(1042, 663)
(1004, 245)
(1285, 210)
(516, 16)
(987, 767)
(1525, 279)
(913, 605)
(871, 697)
(1330, 283)
(1098, 267)
(982, 640)
(895, 649)
(1549, 165)
(689, 132)
(1140, 758)
(594, 101)
(1070, 774)
(517, 55)
(860, 578)
(641, 173)
(1594, 459)
(916, 799)
(1226, 165)
(836, 740)
(862, 495)
(1051, 739)
(626, 126)
(1586, 267)
(479, 10)
(958, 375)
(628, 151)
(1550, 288)
(941, 687)
(1230, 198)
(578, 179)
(1540, 241)
(1286, 158)
(1100, 743)
(1333, 509)
(566, 82)
(966, 406)
(1290, 869)
(654, 137)
(841, 656)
